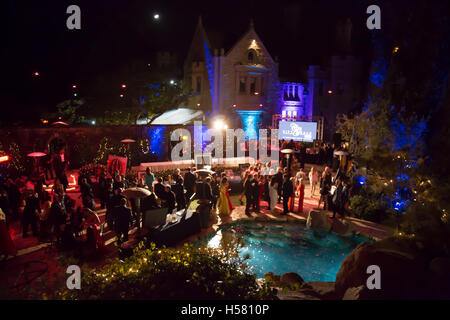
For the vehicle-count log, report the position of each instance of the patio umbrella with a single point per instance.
(204, 171)
(341, 153)
(136, 192)
(36, 154)
(287, 151)
(60, 123)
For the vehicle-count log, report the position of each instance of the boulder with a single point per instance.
(291, 280)
(321, 289)
(440, 266)
(403, 271)
(272, 279)
(295, 295)
(355, 293)
(439, 278)
(318, 219)
(343, 227)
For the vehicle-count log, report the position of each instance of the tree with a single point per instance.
(394, 138)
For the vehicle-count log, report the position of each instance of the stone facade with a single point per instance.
(242, 84)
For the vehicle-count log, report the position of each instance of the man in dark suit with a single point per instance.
(169, 199)
(159, 189)
(178, 189)
(255, 194)
(189, 183)
(31, 214)
(248, 190)
(288, 190)
(123, 222)
(278, 178)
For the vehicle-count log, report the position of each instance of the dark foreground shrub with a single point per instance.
(168, 273)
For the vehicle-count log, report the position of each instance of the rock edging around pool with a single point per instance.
(407, 271)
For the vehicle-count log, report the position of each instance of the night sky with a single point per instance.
(115, 33)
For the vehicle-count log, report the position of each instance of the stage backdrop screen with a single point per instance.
(297, 131)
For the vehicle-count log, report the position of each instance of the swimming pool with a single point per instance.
(315, 255)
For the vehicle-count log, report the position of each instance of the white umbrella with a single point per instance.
(288, 151)
(136, 192)
(341, 153)
(205, 171)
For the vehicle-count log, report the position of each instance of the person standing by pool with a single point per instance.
(224, 203)
(273, 194)
(278, 177)
(301, 195)
(244, 180)
(325, 187)
(288, 190)
(313, 180)
(248, 190)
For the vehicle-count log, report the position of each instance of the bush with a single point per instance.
(368, 208)
(168, 273)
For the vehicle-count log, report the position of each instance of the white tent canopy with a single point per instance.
(178, 116)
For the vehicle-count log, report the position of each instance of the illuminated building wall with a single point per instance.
(157, 140)
(292, 100)
(251, 121)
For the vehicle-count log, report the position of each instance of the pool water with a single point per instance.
(315, 255)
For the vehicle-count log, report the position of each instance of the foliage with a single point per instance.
(69, 111)
(170, 273)
(369, 208)
(158, 98)
(91, 169)
(398, 138)
(105, 148)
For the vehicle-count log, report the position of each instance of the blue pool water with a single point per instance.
(315, 255)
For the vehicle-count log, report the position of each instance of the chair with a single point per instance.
(155, 217)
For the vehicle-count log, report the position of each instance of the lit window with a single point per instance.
(242, 85)
(284, 114)
(294, 113)
(289, 114)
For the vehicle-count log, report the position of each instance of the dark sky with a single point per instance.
(114, 33)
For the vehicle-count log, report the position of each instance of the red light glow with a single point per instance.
(4, 158)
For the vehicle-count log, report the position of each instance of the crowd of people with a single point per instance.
(288, 183)
(55, 216)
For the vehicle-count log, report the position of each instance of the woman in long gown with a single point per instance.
(273, 194)
(301, 195)
(225, 206)
(92, 224)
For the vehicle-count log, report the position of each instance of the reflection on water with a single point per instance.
(316, 255)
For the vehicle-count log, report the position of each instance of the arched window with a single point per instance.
(251, 56)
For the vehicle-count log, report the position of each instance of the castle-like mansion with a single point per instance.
(242, 85)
